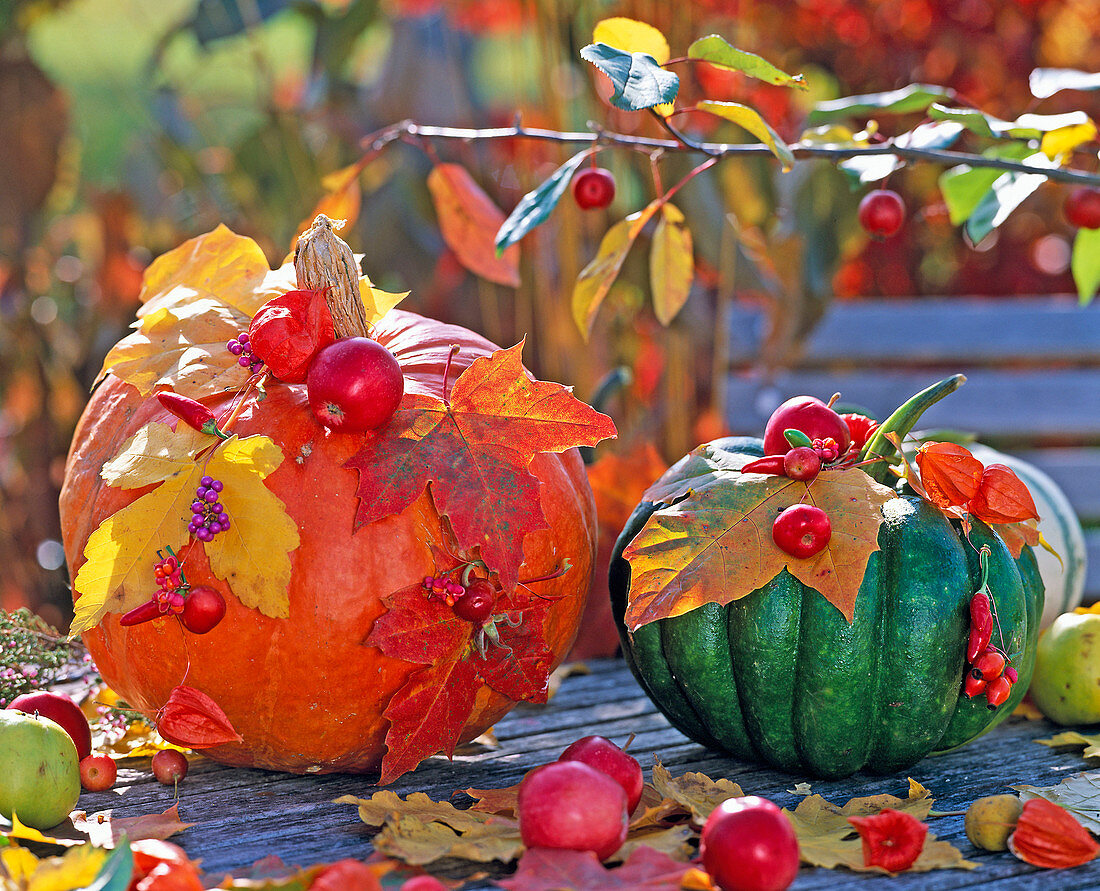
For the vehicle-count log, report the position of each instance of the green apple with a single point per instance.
(1066, 682)
(39, 770)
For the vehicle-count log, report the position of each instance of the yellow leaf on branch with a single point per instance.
(671, 264)
(751, 120)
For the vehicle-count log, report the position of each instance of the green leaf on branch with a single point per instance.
(1085, 263)
(963, 187)
(717, 51)
(639, 80)
(872, 168)
(535, 206)
(1008, 192)
(1045, 82)
(751, 120)
(915, 97)
(1027, 126)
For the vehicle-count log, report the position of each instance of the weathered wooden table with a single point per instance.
(244, 815)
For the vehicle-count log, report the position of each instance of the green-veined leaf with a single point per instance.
(717, 51)
(915, 97)
(1085, 263)
(751, 120)
(639, 80)
(535, 206)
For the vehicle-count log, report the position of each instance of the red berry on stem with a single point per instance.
(593, 188)
(169, 766)
(881, 213)
(202, 610)
(61, 710)
(810, 415)
(354, 384)
(748, 844)
(802, 463)
(98, 772)
(1082, 208)
(476, 605)
(997, 691)
(802, 530)
(567, 804)
(602, 754)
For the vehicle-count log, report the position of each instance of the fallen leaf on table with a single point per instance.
(696, 792)
(673, 841)
(105, 830)
(1073, 738)
(1078, 794)
(504, 802)
(546, 869)
(826, 838)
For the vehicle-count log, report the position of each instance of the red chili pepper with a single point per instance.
(997, 691)
(145, 613)
(772, 464)
(193, 413)
(990, 664)
(981, 614)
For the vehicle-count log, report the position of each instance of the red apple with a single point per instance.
(98, 772)
(881, 213)
(602, 754)
(567, 804)
(802, 463)
(593, 188)
(202, 610)
(61, 710)
(748, 844)
(169, 766)
(810, 415)
(802, 530)
(354, 384)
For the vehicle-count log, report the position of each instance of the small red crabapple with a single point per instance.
(593, 188)
(881, 213)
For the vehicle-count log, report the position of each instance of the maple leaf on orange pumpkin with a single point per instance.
(714, 544)
(428, 712)
(473, 449)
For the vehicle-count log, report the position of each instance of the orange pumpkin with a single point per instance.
(306, 693)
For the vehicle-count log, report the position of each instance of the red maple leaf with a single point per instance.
(552, 869)
(428, 712)
(474, 448)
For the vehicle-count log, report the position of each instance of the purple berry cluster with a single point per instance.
(243, 351)
(208, 515)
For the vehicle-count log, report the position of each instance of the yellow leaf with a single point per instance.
(19, 864)
(253, 555)
(78, 868)
(342, 200)
(751, 120)
(632, 36)
(1065, 139)
(1073, 738)
(696, 792)
(599, 275)
(153, 454)
(20, 831)
(671, 264)
(377, 301)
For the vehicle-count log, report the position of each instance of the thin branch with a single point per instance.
(378, 141)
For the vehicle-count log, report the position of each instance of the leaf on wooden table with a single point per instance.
(1078, 794)
(504, 802)
(671, 264)
(697, 793)
(548, 869)
(715, 545)
(826, 838)
(469, 220)
(674, 841)
(1073, 738)
(495, 421)
(105, 830)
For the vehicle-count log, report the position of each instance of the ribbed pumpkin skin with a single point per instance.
(780, 676)
(305, 692)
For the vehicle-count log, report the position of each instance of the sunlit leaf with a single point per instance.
(639, 80)
(963, 187)
(599, 275)
(1027, 126)
(717, 51)
(536, 205)
(1064, 140)
(1085, 263)
(915, 97)
(872, 168)
(833, 135)
(671, 264)
(750, 119)
(153, 454)
(342, 200)
(632, 36)
(1009, 190)
(1045, 82)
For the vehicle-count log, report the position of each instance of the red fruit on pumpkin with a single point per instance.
(810, 415)
(476, 605)
(98, 772)
(354, 385)
(169, 766)
(593, 188)
(602, 754)
(748, 844)
(567, 804)
(881, 213)
(802, 530)
(802, 463)
(61, 710)
(202, 610)
(1082, 208)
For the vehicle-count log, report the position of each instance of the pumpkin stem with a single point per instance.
(323, 260)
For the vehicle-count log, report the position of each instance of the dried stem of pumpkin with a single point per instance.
(323, 260)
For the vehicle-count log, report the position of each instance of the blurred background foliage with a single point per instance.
(130, 125)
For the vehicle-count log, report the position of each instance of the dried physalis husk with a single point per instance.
(323, 260)
(192, 719)
(1049, 836)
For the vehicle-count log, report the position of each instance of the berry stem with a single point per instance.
(454, 351)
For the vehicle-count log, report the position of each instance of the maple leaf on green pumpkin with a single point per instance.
(474, 450)
(711, 540)
(428, 712)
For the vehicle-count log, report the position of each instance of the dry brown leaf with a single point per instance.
(697, 793)
(419, 842)
(1073, 738)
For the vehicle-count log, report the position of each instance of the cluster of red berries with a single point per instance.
(443, 588)
(170, 581)
(208, 516)
(242, 349)
(989, 671)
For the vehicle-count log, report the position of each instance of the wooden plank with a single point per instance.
(1077, 474)
(938, 332)
(243, 815)
(1092, 568)
(1006, 406)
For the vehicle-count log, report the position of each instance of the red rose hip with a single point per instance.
(748, 844)
(567, 804)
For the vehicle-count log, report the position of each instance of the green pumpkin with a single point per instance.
(780, 676)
